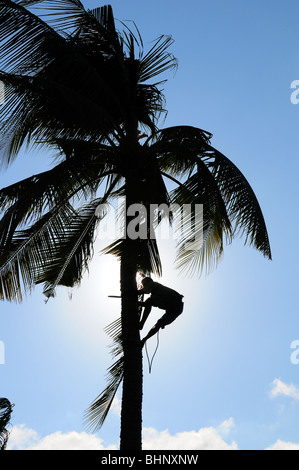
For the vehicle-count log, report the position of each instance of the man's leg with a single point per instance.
(166, 319)
(151, 333)
(161, 323)
(146, 312)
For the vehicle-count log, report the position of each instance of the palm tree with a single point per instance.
(77, 86)
(5, 414)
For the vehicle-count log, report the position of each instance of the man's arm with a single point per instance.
(143, 291)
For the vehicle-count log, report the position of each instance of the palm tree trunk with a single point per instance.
(131, 413)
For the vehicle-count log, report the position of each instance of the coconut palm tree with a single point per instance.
(5, 414)
(89, 93)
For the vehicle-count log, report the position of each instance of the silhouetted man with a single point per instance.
(161, 297)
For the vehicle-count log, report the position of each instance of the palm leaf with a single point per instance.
(28, 199)
(97, 412)
(150, 102)
(47, 108)
(212, 180)
(194, 256)
(70, 17)
(49, 91)
(72, 252)
(28, 250)
(5, 415)
(143, 253)
(99, 409)
(241, 202)
(61, 14)
(157, 60)
(25, 39)
(200, 242)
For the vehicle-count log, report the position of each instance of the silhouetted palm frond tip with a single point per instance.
(5, 415)
(98, 410)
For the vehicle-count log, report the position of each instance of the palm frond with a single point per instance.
(53, 4)
(204, 253)
(56, 86)
(5, 415)
(201, 232)
(157, 60)
(242, 205)
(25, 39)
(28, 250)
(142, 253)
(57, 247)
(55, 250)
(203, 222)
(28, 199)
(56, 104)
(71, 251)
(150, 100)
(229, 203)
(60, 14)
(178, 148)
(70, 19)
(99, 409)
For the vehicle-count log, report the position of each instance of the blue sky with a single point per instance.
(223, 375)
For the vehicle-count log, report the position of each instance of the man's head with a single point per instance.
(147, 282)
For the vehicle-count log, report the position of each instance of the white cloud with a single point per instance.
(23, 438)
(281, 388)
(225, 427)
(209, 438)
(283, 445)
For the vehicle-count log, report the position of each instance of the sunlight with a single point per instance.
(88, 309)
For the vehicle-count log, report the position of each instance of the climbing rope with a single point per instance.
(150, 361)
